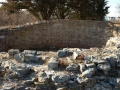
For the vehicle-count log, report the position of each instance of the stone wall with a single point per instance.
(59, 33)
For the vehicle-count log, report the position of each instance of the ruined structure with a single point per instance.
(59, 34)
(65, 68)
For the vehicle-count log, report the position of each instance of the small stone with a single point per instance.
(7, 64)
(53, 63)
(29, 57)
(12, 75)
(74, 56)
(102, 78)
(30, 52)
(87, 60)
(106, 85)
(39, 52)
(42, 77)
(19, 57)
(12, 52)
(23, 69)
(72, 67)
(97, 86)
(7, 88)
(89, 72)
(82, 67)
(112, 80)
(60, 78)
(118, 71)
(88, 82)
(91, 65)
(104, 67)
(36, 58)
(62, 88)
(61, 53)
(113, 61)
(69, 59)
(28, 82)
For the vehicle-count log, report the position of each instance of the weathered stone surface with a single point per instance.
(89, 72)
(98, 86)
(91, 65)
(72, 67)
(30, 52)
(69, 59)
(82, 67)
(105, 66)
(42, 77)
(36, 58)
(39, 52)
(87, 60)
(7, 64)
(101, 78)
(60, 78)
(52, 63)
(28, 82)
(88, 82)
(19, 57)
(112, 60)
(75, 54)
(113, 81)
(106, 85)
(12, 52)
(29, 57)
(12, 75)
(61, 53)
(23, 69)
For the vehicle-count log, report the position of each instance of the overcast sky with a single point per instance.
(112, 10)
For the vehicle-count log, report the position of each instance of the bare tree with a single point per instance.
(16, 18)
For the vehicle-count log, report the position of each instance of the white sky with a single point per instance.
(112, 10)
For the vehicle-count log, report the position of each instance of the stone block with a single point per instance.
(61, 53)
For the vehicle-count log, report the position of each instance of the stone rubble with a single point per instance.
(65, 69)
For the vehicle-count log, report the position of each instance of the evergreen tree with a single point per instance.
(90, 9)
(63, 10)
(77, 9)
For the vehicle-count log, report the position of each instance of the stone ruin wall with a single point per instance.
(59, 33)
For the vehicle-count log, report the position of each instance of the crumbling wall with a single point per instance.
(58, 33)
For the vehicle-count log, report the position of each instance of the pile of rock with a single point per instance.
(66, 69)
